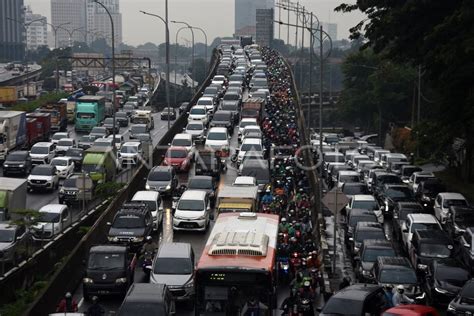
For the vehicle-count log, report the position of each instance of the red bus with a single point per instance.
(237, 264)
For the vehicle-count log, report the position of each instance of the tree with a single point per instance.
(438, 36)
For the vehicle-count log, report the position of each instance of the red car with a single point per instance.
(411, 310)
(178, 157)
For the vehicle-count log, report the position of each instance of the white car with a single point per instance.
(52, 220)
(347, 176)
(249, 129)
(197, 130)
(246, 122)
(207, 102)
(444, 201)
(131, 153)
(183, 140)
(245, 181)
(218, 139)
(64, 166)
(198, 113)
(193, 211)
(417, 177)
(153, 200)
(59, 135)
(43, 177)
(365, 202)
(250, 144)
(417, 221)
(64, 144)
(119, 140)
(218, 79)
(42, 152)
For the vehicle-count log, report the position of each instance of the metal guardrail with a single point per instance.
(70, 273)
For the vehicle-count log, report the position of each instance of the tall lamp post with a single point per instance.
(55, 30)
(176, 59)
(205, 39)
(113, 63)
(167, 83)
(192, 53)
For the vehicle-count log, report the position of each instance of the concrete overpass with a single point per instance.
(14, 78)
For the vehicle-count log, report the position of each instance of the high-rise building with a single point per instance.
(36, 31)
(331, 29)
(12, 35)
(245, 15)
(71, 14)
(98, 21)
(264, 27)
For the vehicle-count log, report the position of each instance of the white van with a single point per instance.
(153, 200)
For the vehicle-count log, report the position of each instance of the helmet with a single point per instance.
(306, 284)
(95, 299)
(400, 287)
(293, 239)
(283, 219)
(68, 295)
(149, 239)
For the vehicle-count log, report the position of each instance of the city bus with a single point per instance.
(238, 264)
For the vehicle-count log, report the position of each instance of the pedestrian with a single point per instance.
(95, 309)
(67, 304)
(346, 281)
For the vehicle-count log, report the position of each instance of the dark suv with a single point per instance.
(371, 249)
(400, 213)
(393, 193)
(131, 225)
(75, 189)
(429, 245)
(110, 270)
(17, 163)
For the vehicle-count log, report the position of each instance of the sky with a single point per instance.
(216, 17)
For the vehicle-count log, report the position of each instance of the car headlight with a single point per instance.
(137, 239)
(451, 308)
(21, 166)
(113, 239)
(189, 284)
(441, 291)
(366, 273)
(168, 187)
(147, 186)
(87, 281)
(422, 266)
(6, 165)
(121, 280)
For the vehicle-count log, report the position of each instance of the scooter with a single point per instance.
(283, 270)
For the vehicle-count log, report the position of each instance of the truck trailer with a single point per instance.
(12, 197)
(90, 112)
(12, 131)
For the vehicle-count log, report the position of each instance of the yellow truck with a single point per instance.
(8, 95)
(143, 117)
(237, 199)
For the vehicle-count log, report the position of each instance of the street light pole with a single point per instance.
(192, 53)
(113, 64)
(205, 39)
(167, 83)
(176, 60)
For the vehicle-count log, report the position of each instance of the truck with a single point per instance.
(252, 108)
(43, 121)
(30, 90)
(90, 112)
(237, 199)
(12, 197)
(71, 111)
(143, 117)
(100, 164)
(8, 95)
(33, 132)
(58, 114)
(12, 131)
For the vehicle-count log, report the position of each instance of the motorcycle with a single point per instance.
(283, 270)
(295, 262)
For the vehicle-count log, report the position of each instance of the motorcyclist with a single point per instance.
(149, 246)
(388, 291)
(67, 304)
(254, 307)
(399, 297)
(267, 198)
(294, 245)
(306, 291)
(289, 302)
(284, 226)
(95, 309)
(297, 282)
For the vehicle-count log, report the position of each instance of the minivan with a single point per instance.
(42, 152)
(52, 220)
(147, 299)
(153, 200)
(193, 211)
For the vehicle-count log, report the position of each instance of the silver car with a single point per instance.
(14, 241)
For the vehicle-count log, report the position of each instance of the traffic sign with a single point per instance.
(335, 200)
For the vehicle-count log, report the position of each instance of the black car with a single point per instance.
(380, 179)
(168, 113)
(443, 281)
(354, 188)
(183, 107)
(427, 191)
(429, 245)
(147, 299)
(400, 213)
(223, 119)
(122, 118)
(110, 270)
(76, 155)
(17, 163)
(131, 225)
(357, 299)
(108, 123)
(463, 303)
(458, 219)
(398, 271)
(370, 250)
(86, 141)
(407, 170)
(75, 189)
(355, 216)
(363, 231)
(393, 193)
(232, 107)
(466, 248)
(206, 183)
(208, 163)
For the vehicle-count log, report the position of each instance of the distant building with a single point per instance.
(12, 35)
(37, 31)
(72, 14)
(264, 27)
(98, 21)
(245, 14)
(331, 29)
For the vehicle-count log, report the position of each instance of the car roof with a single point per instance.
(218, 129)
(62, 158)
(363, 197)
(52, 208)
(145, 195)
(433, 236)
(145, 293)
(44, 166)
(108, 248)
(182, 136)
(200, 178)
(7, 226)
(382, 243)
(372, 226)
(348, 172)
(393, 261)
(43, 144)
(252, 141)
(361, 212)
(193, 195)
(199, 107)
(248, 119)
(423, 218)
(452, 196)
(161, 169)
(174, 250)
(356, 291)
(131, 143)
(67, 138)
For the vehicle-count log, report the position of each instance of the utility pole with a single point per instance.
(321, 132)
(311, 46)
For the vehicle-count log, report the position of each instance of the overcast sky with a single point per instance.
(216, 17)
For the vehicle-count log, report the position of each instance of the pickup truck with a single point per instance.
(110, 270)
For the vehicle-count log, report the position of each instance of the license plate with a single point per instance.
(103, 292)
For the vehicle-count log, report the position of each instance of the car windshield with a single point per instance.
(355, 189)
(128, 221)
(397, 276)
(371, 254)
(42, 150)
(231, 96)
(399, 192)
(361, 218)
(59, 162)
(245, 123)
(191, 205)
(365, 205)
(424, 226)
(448, 203)
(217, 136)
(99, 130)
(454, 276)
(261, 174)
(173, 153)
(183, 142)
(420, 178)
(210, 91)
(159, 176)
(173, 266)
(204, 102)
(197, 111)
(103, 143)
(194, 127)
(229, 106)
(349, 178)
(87, 138)
(41, 171)
(197, 183)
(221, 117)
(435, 250)
(389, 179)
(333, 158)
(48, 217)
(7, 235)
(106, 261)
(85, 115)
(16, 157)
(129, 149)
(138, 129)
(251, 147)
(120, 115)
(361, 235)
(72, 152)
(109, 121)
(70, 183)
